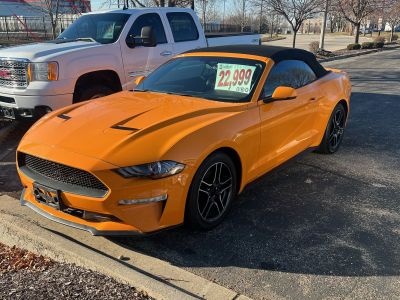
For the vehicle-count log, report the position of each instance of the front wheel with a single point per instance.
(334, 131)
(212, 191)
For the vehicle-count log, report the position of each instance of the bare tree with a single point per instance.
(52, 8)
(296, 12)
(206, 10)
(355, 11)
(392, 13)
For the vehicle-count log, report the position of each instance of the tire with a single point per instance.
(92, 92)
(210, 196)
(334, 131)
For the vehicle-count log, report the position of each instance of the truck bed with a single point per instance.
(221, 39)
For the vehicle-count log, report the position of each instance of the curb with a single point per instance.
(356, 54)
(157, 278)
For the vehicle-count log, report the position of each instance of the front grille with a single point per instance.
(13, 73)
(60, 176)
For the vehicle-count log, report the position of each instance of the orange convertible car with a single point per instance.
(184, 143)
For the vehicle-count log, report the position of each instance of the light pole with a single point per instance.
(322, 36)
(223, 17)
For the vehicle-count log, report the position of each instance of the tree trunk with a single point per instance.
(162, 3)
(171, 3)
(294, 38)
(192, 4)
(53, 29)
(391, 34)
(357, 39)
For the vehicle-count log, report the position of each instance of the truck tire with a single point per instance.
(92, 92)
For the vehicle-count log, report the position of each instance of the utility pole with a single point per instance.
(322, 36)
(223, 17)
(261, 14)
(244, 15)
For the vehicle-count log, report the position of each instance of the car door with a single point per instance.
(139, 60)
(184, 32)
(287, 125)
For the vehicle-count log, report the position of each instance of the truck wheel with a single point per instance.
(92, 92)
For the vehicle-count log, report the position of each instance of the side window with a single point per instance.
(183, 27)
(291, 73)
(152, 20)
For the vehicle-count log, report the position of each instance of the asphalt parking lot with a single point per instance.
(319, 227)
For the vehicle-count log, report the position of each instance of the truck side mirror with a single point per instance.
(148, 37)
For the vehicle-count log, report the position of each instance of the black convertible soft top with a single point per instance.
(275, 53)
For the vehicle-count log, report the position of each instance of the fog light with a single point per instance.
(146, 200)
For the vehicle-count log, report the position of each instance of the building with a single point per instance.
(30, 19)
(30, 8)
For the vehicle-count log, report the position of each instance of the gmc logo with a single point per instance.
(4, 74)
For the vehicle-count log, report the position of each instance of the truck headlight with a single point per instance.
(47, 71)
(155, 170)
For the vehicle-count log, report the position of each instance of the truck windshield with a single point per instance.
(214, 78)
(103, 28)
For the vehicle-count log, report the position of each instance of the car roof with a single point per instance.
(275, 53)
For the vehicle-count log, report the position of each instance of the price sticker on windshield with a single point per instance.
(235, 78)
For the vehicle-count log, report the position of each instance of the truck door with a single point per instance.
(141, 60)
(184, 32)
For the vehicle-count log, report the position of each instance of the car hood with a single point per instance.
(145, 123)
(38, 52)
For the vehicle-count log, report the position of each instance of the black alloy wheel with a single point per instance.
(334, 131)
(213, 188)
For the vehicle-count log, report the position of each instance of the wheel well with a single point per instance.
(346, 108)
(236, 160)
(105, 77)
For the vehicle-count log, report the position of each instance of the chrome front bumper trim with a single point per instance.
(92, 230)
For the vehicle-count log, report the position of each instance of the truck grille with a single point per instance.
(13, 73)
(60, 176)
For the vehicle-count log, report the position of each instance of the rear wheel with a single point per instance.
(92, 92)
(211, 193)
(334, 131)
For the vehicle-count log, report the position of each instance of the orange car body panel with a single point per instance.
(178, 128)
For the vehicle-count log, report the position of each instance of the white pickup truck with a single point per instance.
(99, 54)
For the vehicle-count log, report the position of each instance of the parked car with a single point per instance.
(180, 147)
(366, 31)
(99, 54)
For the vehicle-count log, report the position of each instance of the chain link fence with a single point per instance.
(15, 29)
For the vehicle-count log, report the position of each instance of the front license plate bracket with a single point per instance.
(48, 196)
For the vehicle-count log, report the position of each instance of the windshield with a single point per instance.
(215, 78)
(102, 28)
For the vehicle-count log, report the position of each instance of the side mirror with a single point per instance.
(131, 41)
(282, 93)
(148, 37)
(139, 80)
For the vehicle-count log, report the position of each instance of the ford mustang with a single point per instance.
(185, 143)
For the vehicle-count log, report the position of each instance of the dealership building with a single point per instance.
(30, 19)
(31, 8)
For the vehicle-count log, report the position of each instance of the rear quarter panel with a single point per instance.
(334, 87)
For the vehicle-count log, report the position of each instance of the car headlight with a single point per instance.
(47, 71)
(154, 170)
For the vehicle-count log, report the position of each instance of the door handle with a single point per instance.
(166, 53)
